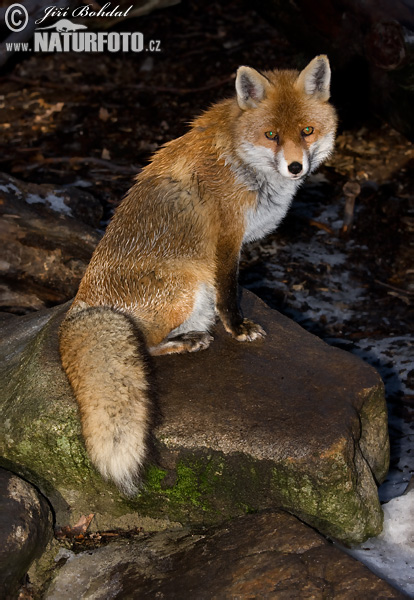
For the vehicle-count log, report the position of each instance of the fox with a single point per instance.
(167, 266)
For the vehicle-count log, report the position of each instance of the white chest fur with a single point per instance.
(274, 197)
(257, 169)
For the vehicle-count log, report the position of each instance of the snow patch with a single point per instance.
(393, 357)
(81, 183)
(391, 554)
(56, 203)
(10, 187)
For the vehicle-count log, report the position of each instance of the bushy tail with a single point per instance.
(101, 354)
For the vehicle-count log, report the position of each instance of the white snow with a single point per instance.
(54, 202)
(78, 183)
(391, 554)
(10, 187)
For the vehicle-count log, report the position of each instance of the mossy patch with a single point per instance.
(203, 487)
(325, 497)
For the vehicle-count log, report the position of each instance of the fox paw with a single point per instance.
(195, 340)
(248, 331)
(184, 342)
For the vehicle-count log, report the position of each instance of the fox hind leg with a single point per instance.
(192, 341)
(193, 334)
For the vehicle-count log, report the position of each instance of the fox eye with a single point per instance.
(307, 131)
(272, 135)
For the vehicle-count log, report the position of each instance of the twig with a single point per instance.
(107, 164)
(321, 226)
(52, 84)
(394, 288)
(100, 88)
(351, 190)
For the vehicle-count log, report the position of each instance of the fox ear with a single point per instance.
(250, 87)
(315, 79)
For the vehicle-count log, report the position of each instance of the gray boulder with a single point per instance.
(288, 422)
(48, 235)
(25, 529)
(269, 555)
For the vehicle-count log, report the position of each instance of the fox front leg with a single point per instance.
(228, 308)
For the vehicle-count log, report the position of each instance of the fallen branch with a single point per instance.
(72, 160)
(99, 88)
(52, 84)
(394, 288)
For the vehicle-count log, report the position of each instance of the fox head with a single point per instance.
(286, 123)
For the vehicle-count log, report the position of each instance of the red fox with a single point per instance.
(168, 262)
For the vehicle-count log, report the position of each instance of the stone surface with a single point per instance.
(288, 422)
(48, 237)
(269, 555)
(25, 529)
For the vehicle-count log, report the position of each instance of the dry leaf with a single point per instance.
(78, 529)
(103, 114)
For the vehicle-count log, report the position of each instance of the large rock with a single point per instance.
(25, 529)
(48, 235)
(270, 555)
(287, 422)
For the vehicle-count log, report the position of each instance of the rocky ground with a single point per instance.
(90, 124)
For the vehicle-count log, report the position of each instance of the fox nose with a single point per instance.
(295, 168)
